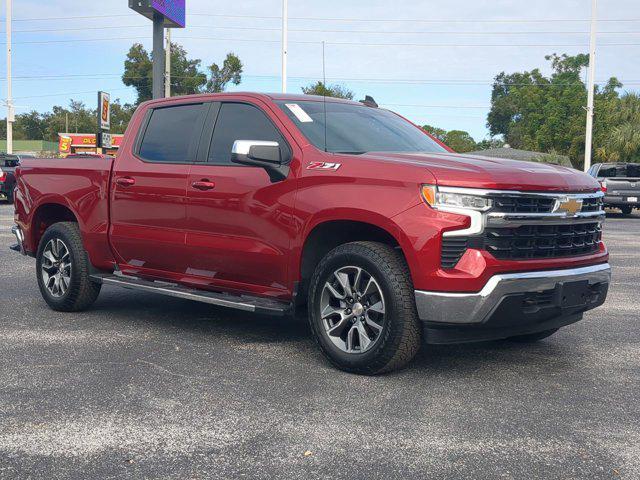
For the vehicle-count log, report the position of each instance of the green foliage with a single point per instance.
(544, 114)
(459, 140)
(436, 132)
(231, 71)
(186, 77)
(319, 88)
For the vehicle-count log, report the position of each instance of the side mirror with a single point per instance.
(258, 153)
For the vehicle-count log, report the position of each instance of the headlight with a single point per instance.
(444, 199)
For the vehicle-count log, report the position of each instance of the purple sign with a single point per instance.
(172, 10)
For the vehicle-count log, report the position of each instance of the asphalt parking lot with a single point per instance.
(143, 386)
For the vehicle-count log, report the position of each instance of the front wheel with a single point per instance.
(362, 308)
(63, 269)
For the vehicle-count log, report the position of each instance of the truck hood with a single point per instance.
(474, 171)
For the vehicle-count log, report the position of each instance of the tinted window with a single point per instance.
(620, 171)
(172, 133)
(240, 121)
(354, 128)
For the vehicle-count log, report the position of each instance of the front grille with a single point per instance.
(452, 250)
(593, 204)
(543, 241)
(523, 204)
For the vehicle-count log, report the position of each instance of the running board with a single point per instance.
(239, 302)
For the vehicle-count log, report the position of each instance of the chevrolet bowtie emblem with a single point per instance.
(569, 206)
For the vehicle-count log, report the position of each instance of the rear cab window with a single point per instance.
(172, 133)
(620, 171)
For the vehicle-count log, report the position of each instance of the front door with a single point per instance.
(149, 192)
(240, 223)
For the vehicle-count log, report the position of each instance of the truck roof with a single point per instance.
(294, 97)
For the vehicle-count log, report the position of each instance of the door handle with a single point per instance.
(125, 181)
(204, 184)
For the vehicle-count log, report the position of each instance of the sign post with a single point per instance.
(103, 138)
(164, 14)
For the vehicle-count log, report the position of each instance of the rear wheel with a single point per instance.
(533, 337)
(362, 308)
(627, 209)
(63, 269)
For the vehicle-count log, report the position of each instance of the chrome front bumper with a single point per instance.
(478, 308)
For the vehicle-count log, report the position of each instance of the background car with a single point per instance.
(620, 183)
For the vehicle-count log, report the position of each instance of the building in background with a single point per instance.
(85, 143)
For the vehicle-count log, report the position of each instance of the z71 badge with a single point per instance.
(323, 166)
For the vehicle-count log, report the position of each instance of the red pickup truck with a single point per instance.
(266, 203)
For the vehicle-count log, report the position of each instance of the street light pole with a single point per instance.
(588, 144)
(285, 13)
(10, 113)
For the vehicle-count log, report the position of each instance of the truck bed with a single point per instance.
(76, 185)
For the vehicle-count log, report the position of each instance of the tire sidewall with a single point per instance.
(374, 358)
(53, 232)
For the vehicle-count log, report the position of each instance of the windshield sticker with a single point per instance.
(324, 166)
(300, 114)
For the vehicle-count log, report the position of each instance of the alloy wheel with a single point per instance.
(352, 309)
(56, 267)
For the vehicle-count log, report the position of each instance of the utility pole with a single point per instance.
(10, 112)
(167, 66)
(158, 55)
(588, 144)
(285, 32)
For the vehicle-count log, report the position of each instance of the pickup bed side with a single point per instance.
(51, 190)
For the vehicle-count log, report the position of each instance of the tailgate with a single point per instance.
(623, 186)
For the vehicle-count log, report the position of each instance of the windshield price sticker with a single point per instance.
(300, 114)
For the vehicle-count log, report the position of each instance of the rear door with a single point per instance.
(149, 191)
(241, 223)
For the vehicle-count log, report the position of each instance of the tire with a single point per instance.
(533, 337)
(396, 339)
(626, 210)
(80, 292)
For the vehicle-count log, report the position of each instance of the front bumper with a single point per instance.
(515, 303)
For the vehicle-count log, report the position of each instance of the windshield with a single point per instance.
(356, 129)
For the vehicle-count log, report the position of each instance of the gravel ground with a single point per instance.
(143, 386)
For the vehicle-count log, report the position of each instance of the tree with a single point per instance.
(319, 88)
(460, 141)
(539, 113)
(231, 71)
(436, 132)
(186, 77)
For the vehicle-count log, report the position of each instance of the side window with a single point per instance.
(172, 133)
(240, 121)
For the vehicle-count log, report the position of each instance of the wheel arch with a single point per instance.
(327, 233)
(47, 214)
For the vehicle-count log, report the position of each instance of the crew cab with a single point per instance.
(621, 184)
(276, 203)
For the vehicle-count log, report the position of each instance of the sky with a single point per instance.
(433, 62)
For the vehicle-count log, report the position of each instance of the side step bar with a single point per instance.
(239, 302)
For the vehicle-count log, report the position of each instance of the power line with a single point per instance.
(335, 19)
(321, 30)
